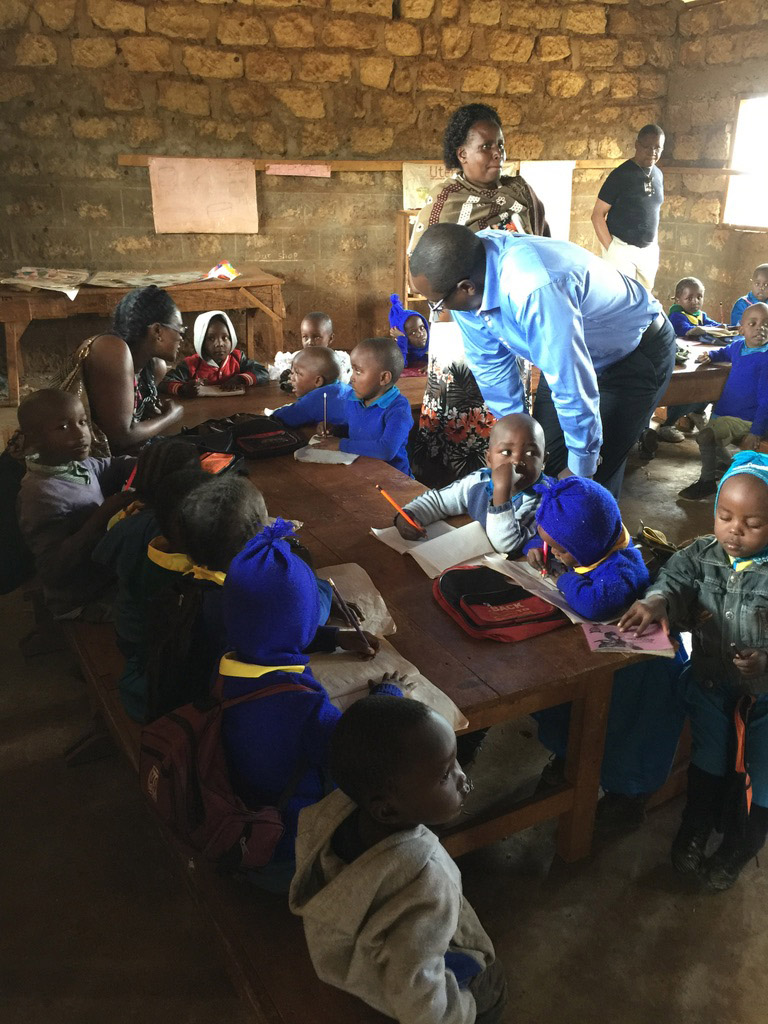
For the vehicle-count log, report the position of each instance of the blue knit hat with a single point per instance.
(754, 463)
(271, 601)
(398, 315)
(581, 516)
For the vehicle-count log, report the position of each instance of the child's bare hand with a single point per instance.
(233, 383)
(751, 662)
(394, 678)
(703, 359)
(406, 531)
(643, 613)
(190, 388)
(505, 482)
(328, 444)
(350, 640)
(750, 443)
(535, 558)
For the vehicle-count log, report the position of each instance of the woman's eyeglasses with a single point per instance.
(179, 328)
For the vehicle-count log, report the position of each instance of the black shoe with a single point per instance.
(725, 865)
(648, 444)
(701, 489)
(689, 848)
(619, 811)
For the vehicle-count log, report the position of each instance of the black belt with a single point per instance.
(655, 325)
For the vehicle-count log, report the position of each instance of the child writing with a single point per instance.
(316, 331)
(410, 330)
(740, 415)
(382, 904)
(271, 608)
(217, 361)
(377, 417)
(501, 498)
(717, 587)
(315, 382)
(66, 500)
(758, 293)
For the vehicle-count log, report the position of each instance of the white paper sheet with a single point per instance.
(445, 546)
(324, 455)
(392, 538)
(203, 195)
(217, 391)
(356, 587)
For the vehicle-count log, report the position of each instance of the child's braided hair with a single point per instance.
(137, 310)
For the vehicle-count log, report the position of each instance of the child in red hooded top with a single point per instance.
(217, 360)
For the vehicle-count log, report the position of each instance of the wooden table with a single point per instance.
(693, 382)
(490, 682)
(255, 291)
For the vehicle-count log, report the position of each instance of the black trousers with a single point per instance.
(629, 392)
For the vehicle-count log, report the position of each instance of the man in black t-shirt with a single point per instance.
(626, 213)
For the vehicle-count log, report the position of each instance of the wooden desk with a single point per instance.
(695, 383)
(255, 291)
(490, 682)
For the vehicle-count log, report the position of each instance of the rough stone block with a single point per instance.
(56, 14)
(485, 12)
(511, 47)
(624, 87)
(549, 48)
(117, 16)
(456, 40)
(146, 54)
(565, 85)
(533, 15)
(376, 71)
(268, 140)
(525, 147)
(242, 30)
(121, 92)
(93, 127)
(597, 53)
(211, 62)
(319, 139)
(417, 8)
(40, 126)
(93, 51)
(326, 67)
(402, 81)
(633, 53)
(482, 79)
(177, 21)
(91, 211)
(575, 149)
(723, 49)
(397, 110)
(350, 34)
(267, 66)
(370, 140)
(185, 97)
(511, 113)
(144, 129)
(687, 147)
(652, 85)
(609, 148)
(435, 78)
(706, 211)
(14, 85)
(692, 52)
(518, 83)
(224, 131)
(247, 100)
(702, 183)
(643, 23)
(13, 13)
(402, 39)
(740, 12)
(449, 9)
(430, 41)
(294, 31)
(585, 20)
(754, 44)
(35, 51)
(305, 103)
(696, 22)
(637, 116)
(383, 8)
(600, 84)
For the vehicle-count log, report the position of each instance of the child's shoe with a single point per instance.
(689, 847)
(725, 865)
(648, 444)
(618, 811)
(671, 434)
(698, 419)
(697, 491)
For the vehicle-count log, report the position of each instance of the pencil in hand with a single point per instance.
(411, 522)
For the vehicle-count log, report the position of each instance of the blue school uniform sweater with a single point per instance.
(745, 394)
(683, 322)
(379, 430)
(609, 588)
(740, 305)
(309, 408)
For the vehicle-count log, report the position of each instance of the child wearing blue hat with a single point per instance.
(276, 747)
(717, 587)
(410, 330)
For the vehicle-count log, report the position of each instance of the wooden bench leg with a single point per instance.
(586, 739)
(13, 333)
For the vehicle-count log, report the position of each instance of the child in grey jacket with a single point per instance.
(384, 915)
(501, 497)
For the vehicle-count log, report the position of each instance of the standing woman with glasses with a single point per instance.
(116, 374)
(455, 424)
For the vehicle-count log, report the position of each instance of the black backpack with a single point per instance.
(255, 437)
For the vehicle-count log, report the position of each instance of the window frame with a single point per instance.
(730, 173)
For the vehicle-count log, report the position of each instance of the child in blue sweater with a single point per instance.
(740, 415)
(501, 497)
(758, 293)
(314, 374)
(410, 330)
(271, 609)
(377, 417)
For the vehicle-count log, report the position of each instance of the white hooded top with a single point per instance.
(380, 927)
(201, 326)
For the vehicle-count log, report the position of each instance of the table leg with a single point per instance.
(13, 333)
(586, 739)
(250, 333)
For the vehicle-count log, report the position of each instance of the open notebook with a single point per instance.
(444, 547)
(217, 391)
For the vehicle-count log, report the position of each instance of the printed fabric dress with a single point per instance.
(455, 424)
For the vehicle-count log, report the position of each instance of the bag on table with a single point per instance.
(183, 775)
(489, 606)
(253, 436)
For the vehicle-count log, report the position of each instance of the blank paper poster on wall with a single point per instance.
(204, 196)
(552, 181)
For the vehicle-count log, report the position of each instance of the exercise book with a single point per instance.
(444, 547)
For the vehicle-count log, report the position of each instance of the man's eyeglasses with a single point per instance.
(436, 308)
(180, 329)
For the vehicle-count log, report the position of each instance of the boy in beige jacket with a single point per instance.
(384, 915)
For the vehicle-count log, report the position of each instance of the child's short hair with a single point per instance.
(763, 268)
(218, 518)
(387, 353)
(321, 319)
(171, 493)
(369, 743)
(688, 282)
(37, 407)
(649, 130)
(158, 460)
(323, 359)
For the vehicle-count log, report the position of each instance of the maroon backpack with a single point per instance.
(183, 775)
(489, 606)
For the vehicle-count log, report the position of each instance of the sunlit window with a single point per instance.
(746, 203)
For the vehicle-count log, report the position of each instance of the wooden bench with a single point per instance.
(261, 941)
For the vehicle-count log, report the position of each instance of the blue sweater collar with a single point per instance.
(383, 400)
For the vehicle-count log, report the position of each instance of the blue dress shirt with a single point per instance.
(567, 312)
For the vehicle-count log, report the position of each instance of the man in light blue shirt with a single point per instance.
(605, 349)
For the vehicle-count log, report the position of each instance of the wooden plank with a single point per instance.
(502, 820)
(14, 362)
(142, 160)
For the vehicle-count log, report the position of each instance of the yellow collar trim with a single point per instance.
(230, 666)
(741, 565)
(621, 543)
(201, 573)
(124, 513)
(174, 561)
